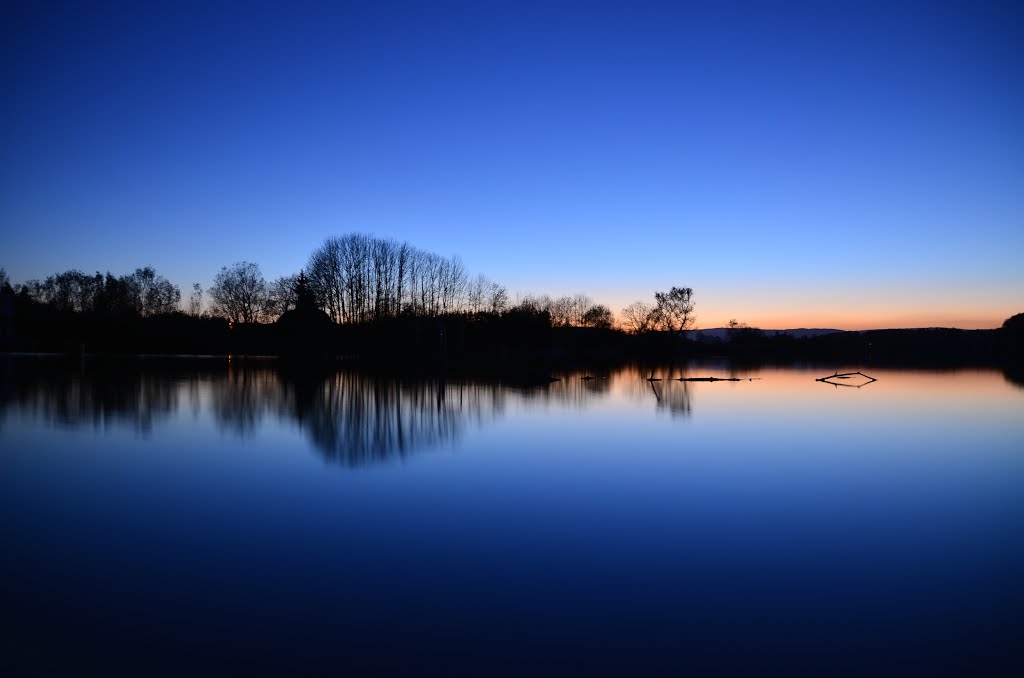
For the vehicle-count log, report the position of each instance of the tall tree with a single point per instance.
(327, 278)
(498, 298)
(116, 296)
(478, 294)
(281, 295)
(195, 301)
(240, 293)
(152, 294)
(359, 278)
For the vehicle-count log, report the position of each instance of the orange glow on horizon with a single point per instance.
(869, 321)
(842, 313)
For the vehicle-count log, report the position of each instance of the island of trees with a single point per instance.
(376, 299)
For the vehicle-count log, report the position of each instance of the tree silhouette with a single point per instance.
(742, 333)
(638, 317)
(477, 294)
(281, 295)
(1014, 324)
(305, 298)
(195, 301)
(358, 278)
(240, 293)
(142, 293)
(498, 298)
(152, 294)
(1012, 331)
(598, 316)
(673, 310)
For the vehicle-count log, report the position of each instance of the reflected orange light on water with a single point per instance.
(788, 391)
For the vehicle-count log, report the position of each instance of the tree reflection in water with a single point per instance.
(351, 418)
(68, 394)
(355, 419)
(669, 394)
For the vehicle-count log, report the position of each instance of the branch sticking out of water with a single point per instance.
(846, 375)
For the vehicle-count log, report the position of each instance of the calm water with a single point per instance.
(230, 519)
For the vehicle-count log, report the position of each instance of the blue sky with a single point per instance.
(796, 163)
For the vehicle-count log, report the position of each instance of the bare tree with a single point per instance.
(427, 283)
(566, 311)
(358, 278)
(535, 304)
(498, 300)
(578, 307)
(281, 295)
(452, 280)
(356, 268)
(598, 316)
(561, 310)
(674, 309)
(638, 317)
(68, 291)
(326, 278)
(477, 294)
(384, 254)
(195, 301)
(152, 294)
(240, 293)
(404, 257)
(142, 292)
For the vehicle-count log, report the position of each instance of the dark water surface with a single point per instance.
(207, 518)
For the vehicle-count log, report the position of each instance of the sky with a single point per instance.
(798, 164)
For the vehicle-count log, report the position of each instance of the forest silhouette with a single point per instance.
(376, 300)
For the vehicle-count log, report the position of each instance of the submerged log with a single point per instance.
(711, 379)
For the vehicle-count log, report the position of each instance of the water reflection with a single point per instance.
(1014, 374)
(68, 396)
(672, 396)
(349, 417)
(672, 386)
(353, 418)
(356, 419)
(780, 518)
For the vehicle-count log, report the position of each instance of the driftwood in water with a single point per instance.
(711, 379)
(846, 375)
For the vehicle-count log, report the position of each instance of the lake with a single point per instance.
(169, 517)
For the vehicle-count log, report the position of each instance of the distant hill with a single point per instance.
(924, 345)
(723, 333)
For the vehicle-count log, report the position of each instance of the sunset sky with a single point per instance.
(829, 164)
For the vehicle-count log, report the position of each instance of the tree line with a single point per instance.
(354, 279)
(358, 279)
(141, 292)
